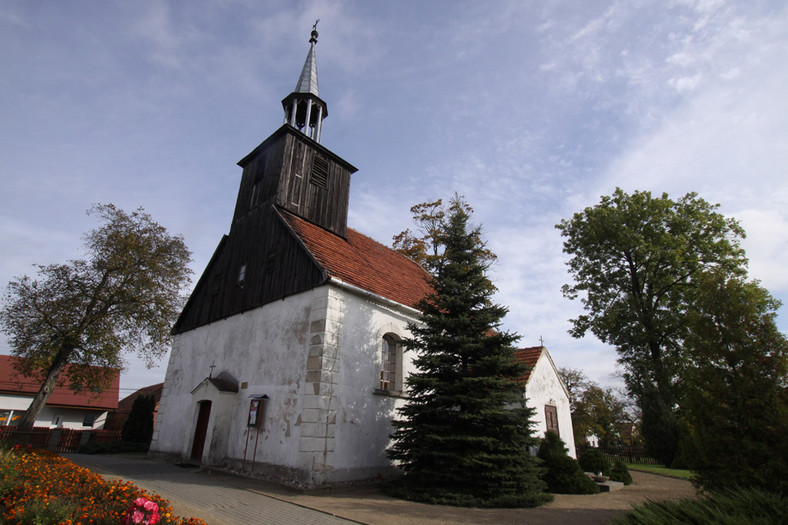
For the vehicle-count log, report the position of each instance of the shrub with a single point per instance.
(563, 474)
(620, 472)
(593, 460)
(51, 511)
(731, 507)
(138, 428)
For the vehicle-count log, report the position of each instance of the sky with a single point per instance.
(532, 110)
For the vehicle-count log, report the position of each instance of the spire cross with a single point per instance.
(314, 27)
(541, 341)
(213, 365)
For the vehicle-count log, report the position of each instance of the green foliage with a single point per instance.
(659, 426)
(593, 460)
(463, 435)
(51, 512)
(731, 507)
(79, 316)
(634, 259)
(563, 474)
(597, 411)
(620, 472)
(138, 427)
(427, 249)
(737, 402)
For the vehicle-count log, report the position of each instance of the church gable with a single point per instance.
(261, 261)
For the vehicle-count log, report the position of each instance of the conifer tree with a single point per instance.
(464, 434)
(138, 428)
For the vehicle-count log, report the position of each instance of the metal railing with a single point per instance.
(630, 455)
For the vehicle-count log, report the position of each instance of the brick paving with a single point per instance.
(226, 499)
(217, 498)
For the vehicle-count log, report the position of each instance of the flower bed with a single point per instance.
(37, 486)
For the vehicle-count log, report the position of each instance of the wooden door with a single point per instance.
(201, 430)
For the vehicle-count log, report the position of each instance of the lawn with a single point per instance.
(657, 469)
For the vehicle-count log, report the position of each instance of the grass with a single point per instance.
(657, 469)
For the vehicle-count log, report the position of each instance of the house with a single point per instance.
(547, 394)
(286, 359)
(64, 408)
(118, 417)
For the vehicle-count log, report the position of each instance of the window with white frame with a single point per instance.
(391, 362)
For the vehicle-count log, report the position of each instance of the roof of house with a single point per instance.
(128, 401)
(363, 262)
(12, 382)
(529, 356)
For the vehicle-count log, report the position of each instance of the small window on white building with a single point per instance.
(551, 418)
(391, 365)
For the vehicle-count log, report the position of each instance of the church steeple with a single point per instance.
(304, 109)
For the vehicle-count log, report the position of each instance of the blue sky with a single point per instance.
(530, 109)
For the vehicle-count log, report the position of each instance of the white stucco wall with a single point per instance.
(545, 388)
(316, 355)
(265, 350)
(364, 412)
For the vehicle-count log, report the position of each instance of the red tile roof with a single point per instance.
(529, 356)
(126, 403)
(363, 262)
(12, 382)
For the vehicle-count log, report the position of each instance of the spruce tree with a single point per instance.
(464, 434)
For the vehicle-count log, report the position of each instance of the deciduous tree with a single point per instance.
(124, 296)
(464, 433)
(737, 386)
(633, 260)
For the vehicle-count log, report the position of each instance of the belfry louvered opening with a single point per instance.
(319, 174)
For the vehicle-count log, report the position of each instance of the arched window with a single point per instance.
(391, 364)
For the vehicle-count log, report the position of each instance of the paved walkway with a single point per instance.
(226, 499)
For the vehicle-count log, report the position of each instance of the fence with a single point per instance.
(630, 455)
(57, 439)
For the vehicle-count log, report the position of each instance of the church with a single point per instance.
(286, 359)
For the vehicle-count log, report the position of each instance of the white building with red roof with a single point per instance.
(547, 394)
(286, 359)
(64, 408)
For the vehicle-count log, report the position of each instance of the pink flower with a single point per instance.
(137, 516)
(151, 506)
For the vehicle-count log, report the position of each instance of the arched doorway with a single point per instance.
(201, 430)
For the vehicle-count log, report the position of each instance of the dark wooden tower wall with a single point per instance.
(299, 175)
(260, 262)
